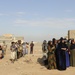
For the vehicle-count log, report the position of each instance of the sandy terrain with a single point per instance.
(30, 65)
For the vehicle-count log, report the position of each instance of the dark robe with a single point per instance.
(67, 59)
(31, 48)
(68, 55)
(1, 53)
(61, 56)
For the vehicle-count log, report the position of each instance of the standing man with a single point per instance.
(13, 52)
(4, 47)
(20, 49)
(31, 47)
(24, 48)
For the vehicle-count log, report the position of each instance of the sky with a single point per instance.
(37, 20)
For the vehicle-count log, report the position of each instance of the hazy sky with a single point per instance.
(37, 19)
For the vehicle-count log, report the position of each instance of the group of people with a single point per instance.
(19, 49)
(59, 54)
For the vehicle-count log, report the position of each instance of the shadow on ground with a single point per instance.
(42, 62)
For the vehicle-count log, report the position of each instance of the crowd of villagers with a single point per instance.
(59, 54)
(18, 50)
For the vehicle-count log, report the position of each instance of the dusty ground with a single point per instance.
(30, 65)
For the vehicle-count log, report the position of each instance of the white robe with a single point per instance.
(13, 55)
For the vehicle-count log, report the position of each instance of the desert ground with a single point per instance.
(30, 64)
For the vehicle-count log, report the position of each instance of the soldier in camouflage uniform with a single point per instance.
(51, 56)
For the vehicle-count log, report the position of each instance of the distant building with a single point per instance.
(71, 34)
(8, 38)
